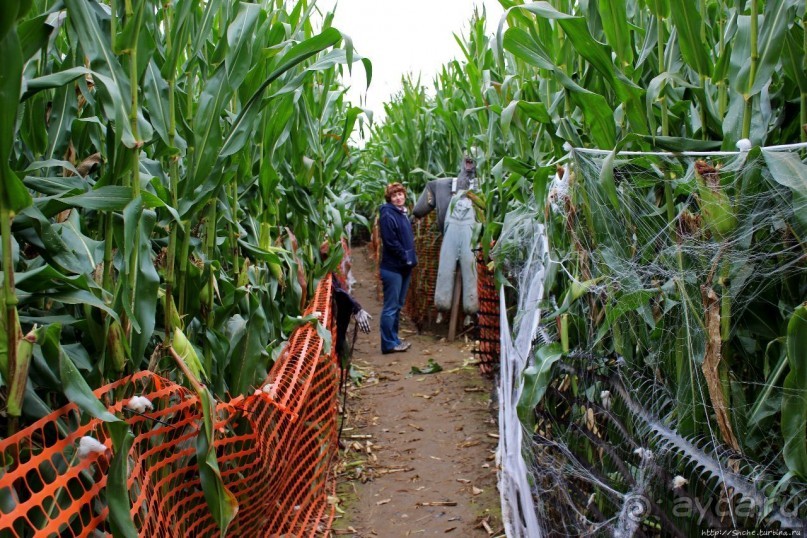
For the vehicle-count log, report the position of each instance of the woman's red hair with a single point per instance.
(392, 188)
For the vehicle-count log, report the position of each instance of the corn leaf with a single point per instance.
(117, 487)
(77, 391)
(107, 198)
(148, 283)
(247, 342)
(616, 28)
(767, 402)
(13, 193)
(793, 57)
(54, 80)
(794, 405)
(241, 127)
(223, 504)
(155, 90)
(240, 41)
(777, 19)
(688, 25)
(535, 381)
(64, 110)
(787, 169)
(117, 91)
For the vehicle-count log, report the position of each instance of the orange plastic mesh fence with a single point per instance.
(488, 319)
(275, 449)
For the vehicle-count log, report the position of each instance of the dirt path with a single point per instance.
(419, 449)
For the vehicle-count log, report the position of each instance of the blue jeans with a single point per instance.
(395, 286)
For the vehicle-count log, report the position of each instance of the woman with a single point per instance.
(397, 260)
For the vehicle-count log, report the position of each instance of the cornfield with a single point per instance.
(168, 170)
(646, 138)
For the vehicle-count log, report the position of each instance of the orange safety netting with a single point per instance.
(275, 449)
(488, 319)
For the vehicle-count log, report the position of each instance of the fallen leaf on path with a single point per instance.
(367, 384)
(383, 501)
(476, 491)
(436, 458)
(475, 389)
(431, 367)
(494, 435)
(418, 428)
(396, 470)
(463, 481)
(449, 530)
(437, 503)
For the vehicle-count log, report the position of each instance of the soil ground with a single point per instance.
(418, 457)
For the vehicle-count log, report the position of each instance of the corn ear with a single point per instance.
(176, 321)
(117, 346)
(265, 236)
(478, 200)
(204, 294)
(716, 208)
(19, 373)
(277, 271)
(243, 275)
(187, 353)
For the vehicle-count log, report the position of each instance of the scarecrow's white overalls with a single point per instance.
(458, 234)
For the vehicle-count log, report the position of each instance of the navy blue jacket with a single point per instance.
(398, 240)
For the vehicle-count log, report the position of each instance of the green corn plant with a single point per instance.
(161, 150)
(633, 75)
(150, 156)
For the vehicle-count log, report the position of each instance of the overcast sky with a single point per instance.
(403, 36)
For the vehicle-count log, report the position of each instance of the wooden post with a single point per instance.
(455, 306)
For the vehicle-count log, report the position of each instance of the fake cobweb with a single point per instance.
(646, 311)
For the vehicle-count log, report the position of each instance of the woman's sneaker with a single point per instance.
(403, 346)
